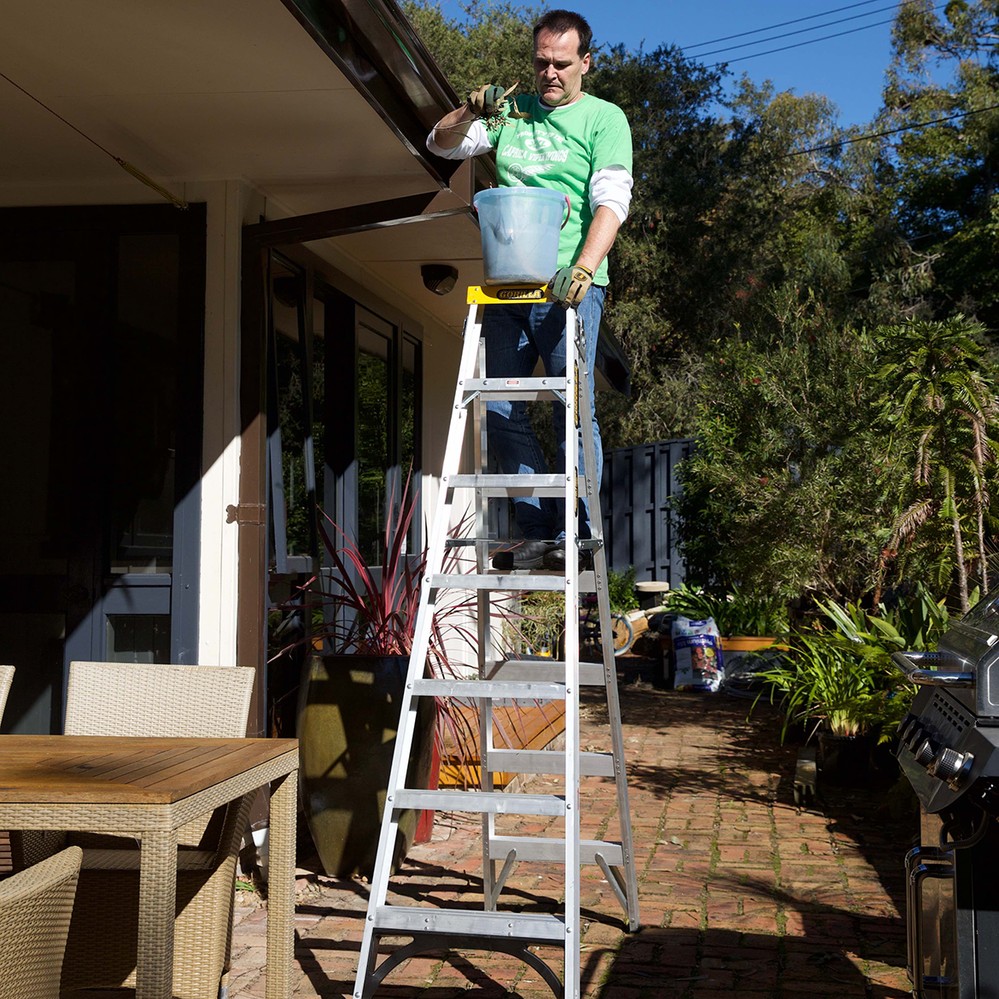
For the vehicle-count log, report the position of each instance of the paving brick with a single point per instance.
(757, 899)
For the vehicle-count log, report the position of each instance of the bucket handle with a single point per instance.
(568, 211)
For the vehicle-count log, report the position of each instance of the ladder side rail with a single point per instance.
(607, 646)
(417, 660)
(571, 974)
(484, 623)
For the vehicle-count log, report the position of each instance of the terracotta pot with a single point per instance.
(348, 712)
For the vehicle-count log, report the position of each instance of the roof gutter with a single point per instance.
(376, 48)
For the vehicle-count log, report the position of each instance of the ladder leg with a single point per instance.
(417, 659)
(610, 667)
(480, 448)
(572, 828)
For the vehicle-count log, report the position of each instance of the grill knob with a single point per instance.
(917, 734)
(903, 725)
(952, 766)
(925, 752)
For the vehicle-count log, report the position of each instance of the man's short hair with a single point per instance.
(558, 22)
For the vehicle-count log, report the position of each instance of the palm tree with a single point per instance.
(939, 398)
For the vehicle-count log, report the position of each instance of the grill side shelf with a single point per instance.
(940, 674)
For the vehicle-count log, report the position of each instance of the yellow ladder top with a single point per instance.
(505, 294)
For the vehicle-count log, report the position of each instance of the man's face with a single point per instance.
(558, 67)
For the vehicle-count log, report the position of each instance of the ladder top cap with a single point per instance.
(504, 294)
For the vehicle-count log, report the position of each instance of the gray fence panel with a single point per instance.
(639, 530)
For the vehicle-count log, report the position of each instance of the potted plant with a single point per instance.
(841, 692)
(351, 690)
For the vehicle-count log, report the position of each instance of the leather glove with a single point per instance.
(569, 285)
(486, 100)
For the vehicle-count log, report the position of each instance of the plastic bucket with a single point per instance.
(520, 228)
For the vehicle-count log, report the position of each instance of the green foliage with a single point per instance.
(945, 175)
(540, 623)
(939, 401)
(824, 682)
(913, 621)
(621, 590)
(791, 487)
(493, 45)
(739, 612)
(845, 679)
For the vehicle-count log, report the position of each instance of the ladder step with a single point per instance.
(541, 670)
(463, 923)
(511, 581)
(494, 802)
(498, 581)
(513, 389)
(553, 850)
(511, 485)
(549, 690)
(546, 761)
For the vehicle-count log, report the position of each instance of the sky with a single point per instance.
(848, 69)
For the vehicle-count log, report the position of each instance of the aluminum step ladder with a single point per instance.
(492, 928)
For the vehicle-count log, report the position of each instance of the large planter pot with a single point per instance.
(844, 759)
(348, 712)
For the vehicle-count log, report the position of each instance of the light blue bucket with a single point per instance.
(520, 228)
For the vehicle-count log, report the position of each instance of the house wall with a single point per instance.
(231, 203)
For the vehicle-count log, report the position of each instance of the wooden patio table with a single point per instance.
(153, 786)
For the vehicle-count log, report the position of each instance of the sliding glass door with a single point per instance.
(101, 315)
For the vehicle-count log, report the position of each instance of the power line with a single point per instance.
(783, 24)
(890, 131)
(810, 41)
(802, 31)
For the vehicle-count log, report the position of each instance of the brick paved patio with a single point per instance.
(741, 893)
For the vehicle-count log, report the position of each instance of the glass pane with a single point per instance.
(143, 403)
(296, 447)
(37, 305)
(373, 380)
(138, 638)
(318, 394)
(409, 441)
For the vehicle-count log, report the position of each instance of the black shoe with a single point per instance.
(527, 554)
(554, 558)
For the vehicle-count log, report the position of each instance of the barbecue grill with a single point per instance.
(949, 751)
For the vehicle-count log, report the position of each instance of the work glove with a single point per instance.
(486, 101)
(569, 285)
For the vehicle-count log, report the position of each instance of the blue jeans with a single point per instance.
(516, 336)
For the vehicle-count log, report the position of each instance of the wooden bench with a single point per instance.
(519, 726)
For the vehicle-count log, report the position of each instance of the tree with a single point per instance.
(945, 174)
(492, 44)
(939, 400)
(793, 485)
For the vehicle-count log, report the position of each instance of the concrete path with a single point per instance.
(741, 892)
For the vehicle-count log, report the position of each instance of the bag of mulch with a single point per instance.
(697, 655)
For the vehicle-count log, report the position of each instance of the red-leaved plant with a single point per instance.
(374, 613)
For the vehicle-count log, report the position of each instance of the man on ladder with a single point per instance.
(579, 145)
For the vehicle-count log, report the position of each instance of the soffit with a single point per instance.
(193, 91)
(189, 90)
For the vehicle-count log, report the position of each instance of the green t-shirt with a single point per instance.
(561, 149)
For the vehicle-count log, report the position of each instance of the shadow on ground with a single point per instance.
(848, 945)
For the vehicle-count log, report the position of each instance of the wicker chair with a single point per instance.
(35, 909)
(123, 699)
(6, 675)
